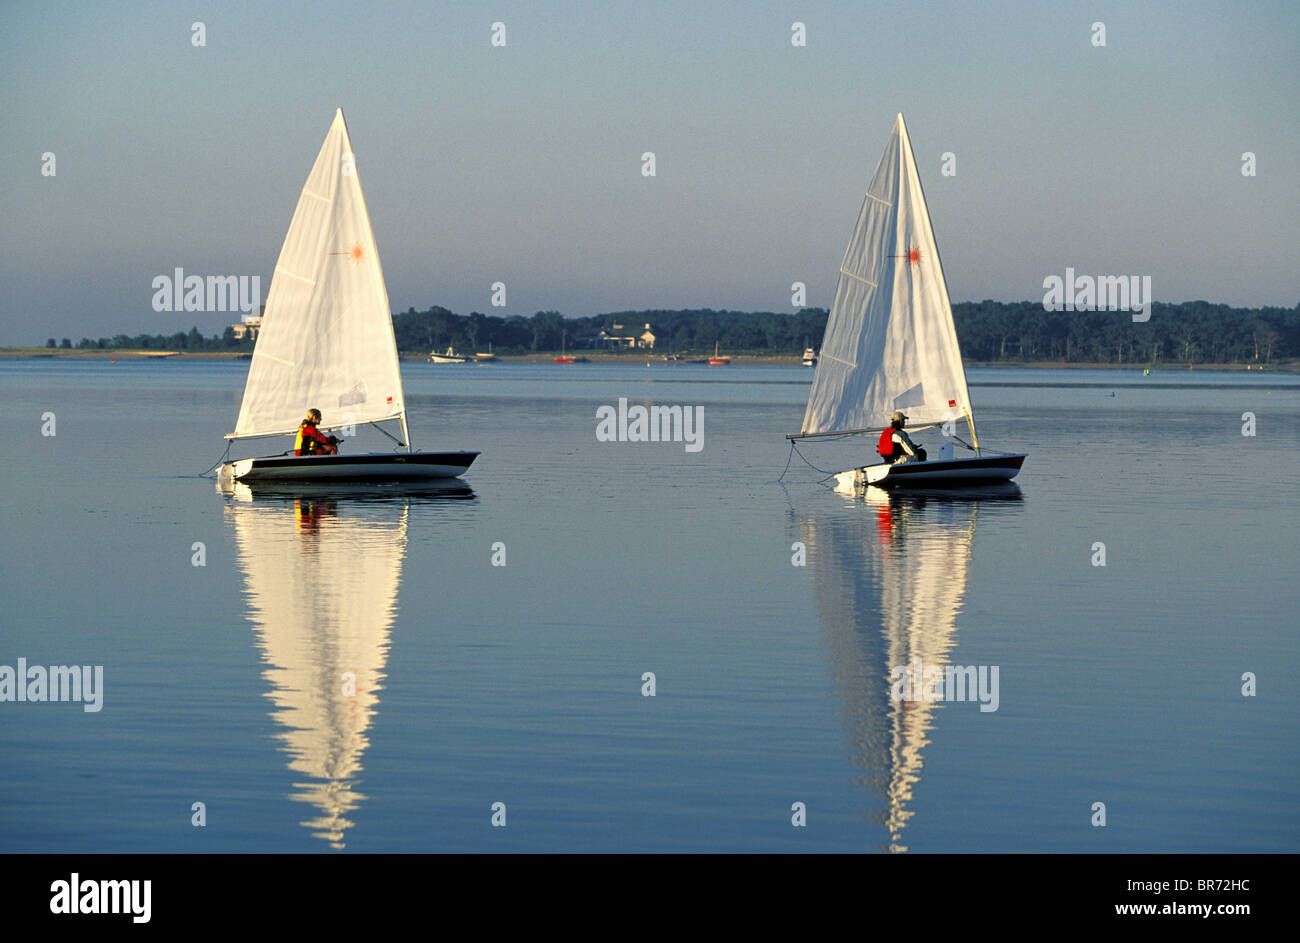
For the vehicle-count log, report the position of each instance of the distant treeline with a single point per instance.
(182, 340)
(1190, 332)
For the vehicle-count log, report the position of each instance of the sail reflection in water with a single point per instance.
(321, 574)
(890, 578)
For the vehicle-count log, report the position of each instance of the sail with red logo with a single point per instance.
(891, 348)
(326, 341)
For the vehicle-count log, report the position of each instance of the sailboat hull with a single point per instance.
(955, 472)
(373, 466)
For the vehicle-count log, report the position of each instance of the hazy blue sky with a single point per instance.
(522, 164)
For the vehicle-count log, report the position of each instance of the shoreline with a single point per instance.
(603, 357)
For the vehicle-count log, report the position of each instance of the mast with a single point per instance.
(406, 433)
(970, 424)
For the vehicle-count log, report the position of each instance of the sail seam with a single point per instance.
(838, 360)
(316, 196)
(865, 281)
(872, 196)
(287, 363)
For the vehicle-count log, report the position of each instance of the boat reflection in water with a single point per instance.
(321, 571)
(890, 578)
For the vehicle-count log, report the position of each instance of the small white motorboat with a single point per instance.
(449, 357)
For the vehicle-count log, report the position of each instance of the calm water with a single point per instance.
(522, 684)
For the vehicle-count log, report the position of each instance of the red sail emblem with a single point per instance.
(353, 252)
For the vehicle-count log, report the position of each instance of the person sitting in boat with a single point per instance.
(896, 446)
(311, 441)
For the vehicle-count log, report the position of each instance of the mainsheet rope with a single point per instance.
(217, 463)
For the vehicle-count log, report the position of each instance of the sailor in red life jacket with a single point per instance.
(311, 441)
(895, 446)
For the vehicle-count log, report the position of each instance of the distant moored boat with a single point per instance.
(565, 357)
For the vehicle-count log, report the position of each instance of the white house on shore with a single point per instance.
(249, 325)
(621, 337)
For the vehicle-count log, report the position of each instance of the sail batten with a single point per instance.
(890, 342)
(326, 339)
(301, 278)
(864, 281)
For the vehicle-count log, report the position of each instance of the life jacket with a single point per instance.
(305, 444)
(886, 446)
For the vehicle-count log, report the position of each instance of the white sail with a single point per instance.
(890, 343)
(326, 340)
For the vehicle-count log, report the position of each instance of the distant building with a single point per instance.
(618, 336)
(249, 325)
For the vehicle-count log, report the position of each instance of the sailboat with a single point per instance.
(327, 340)
(566, 357)
(890, 343)
(716, 360)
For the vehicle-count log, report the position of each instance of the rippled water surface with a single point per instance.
(348, 670)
